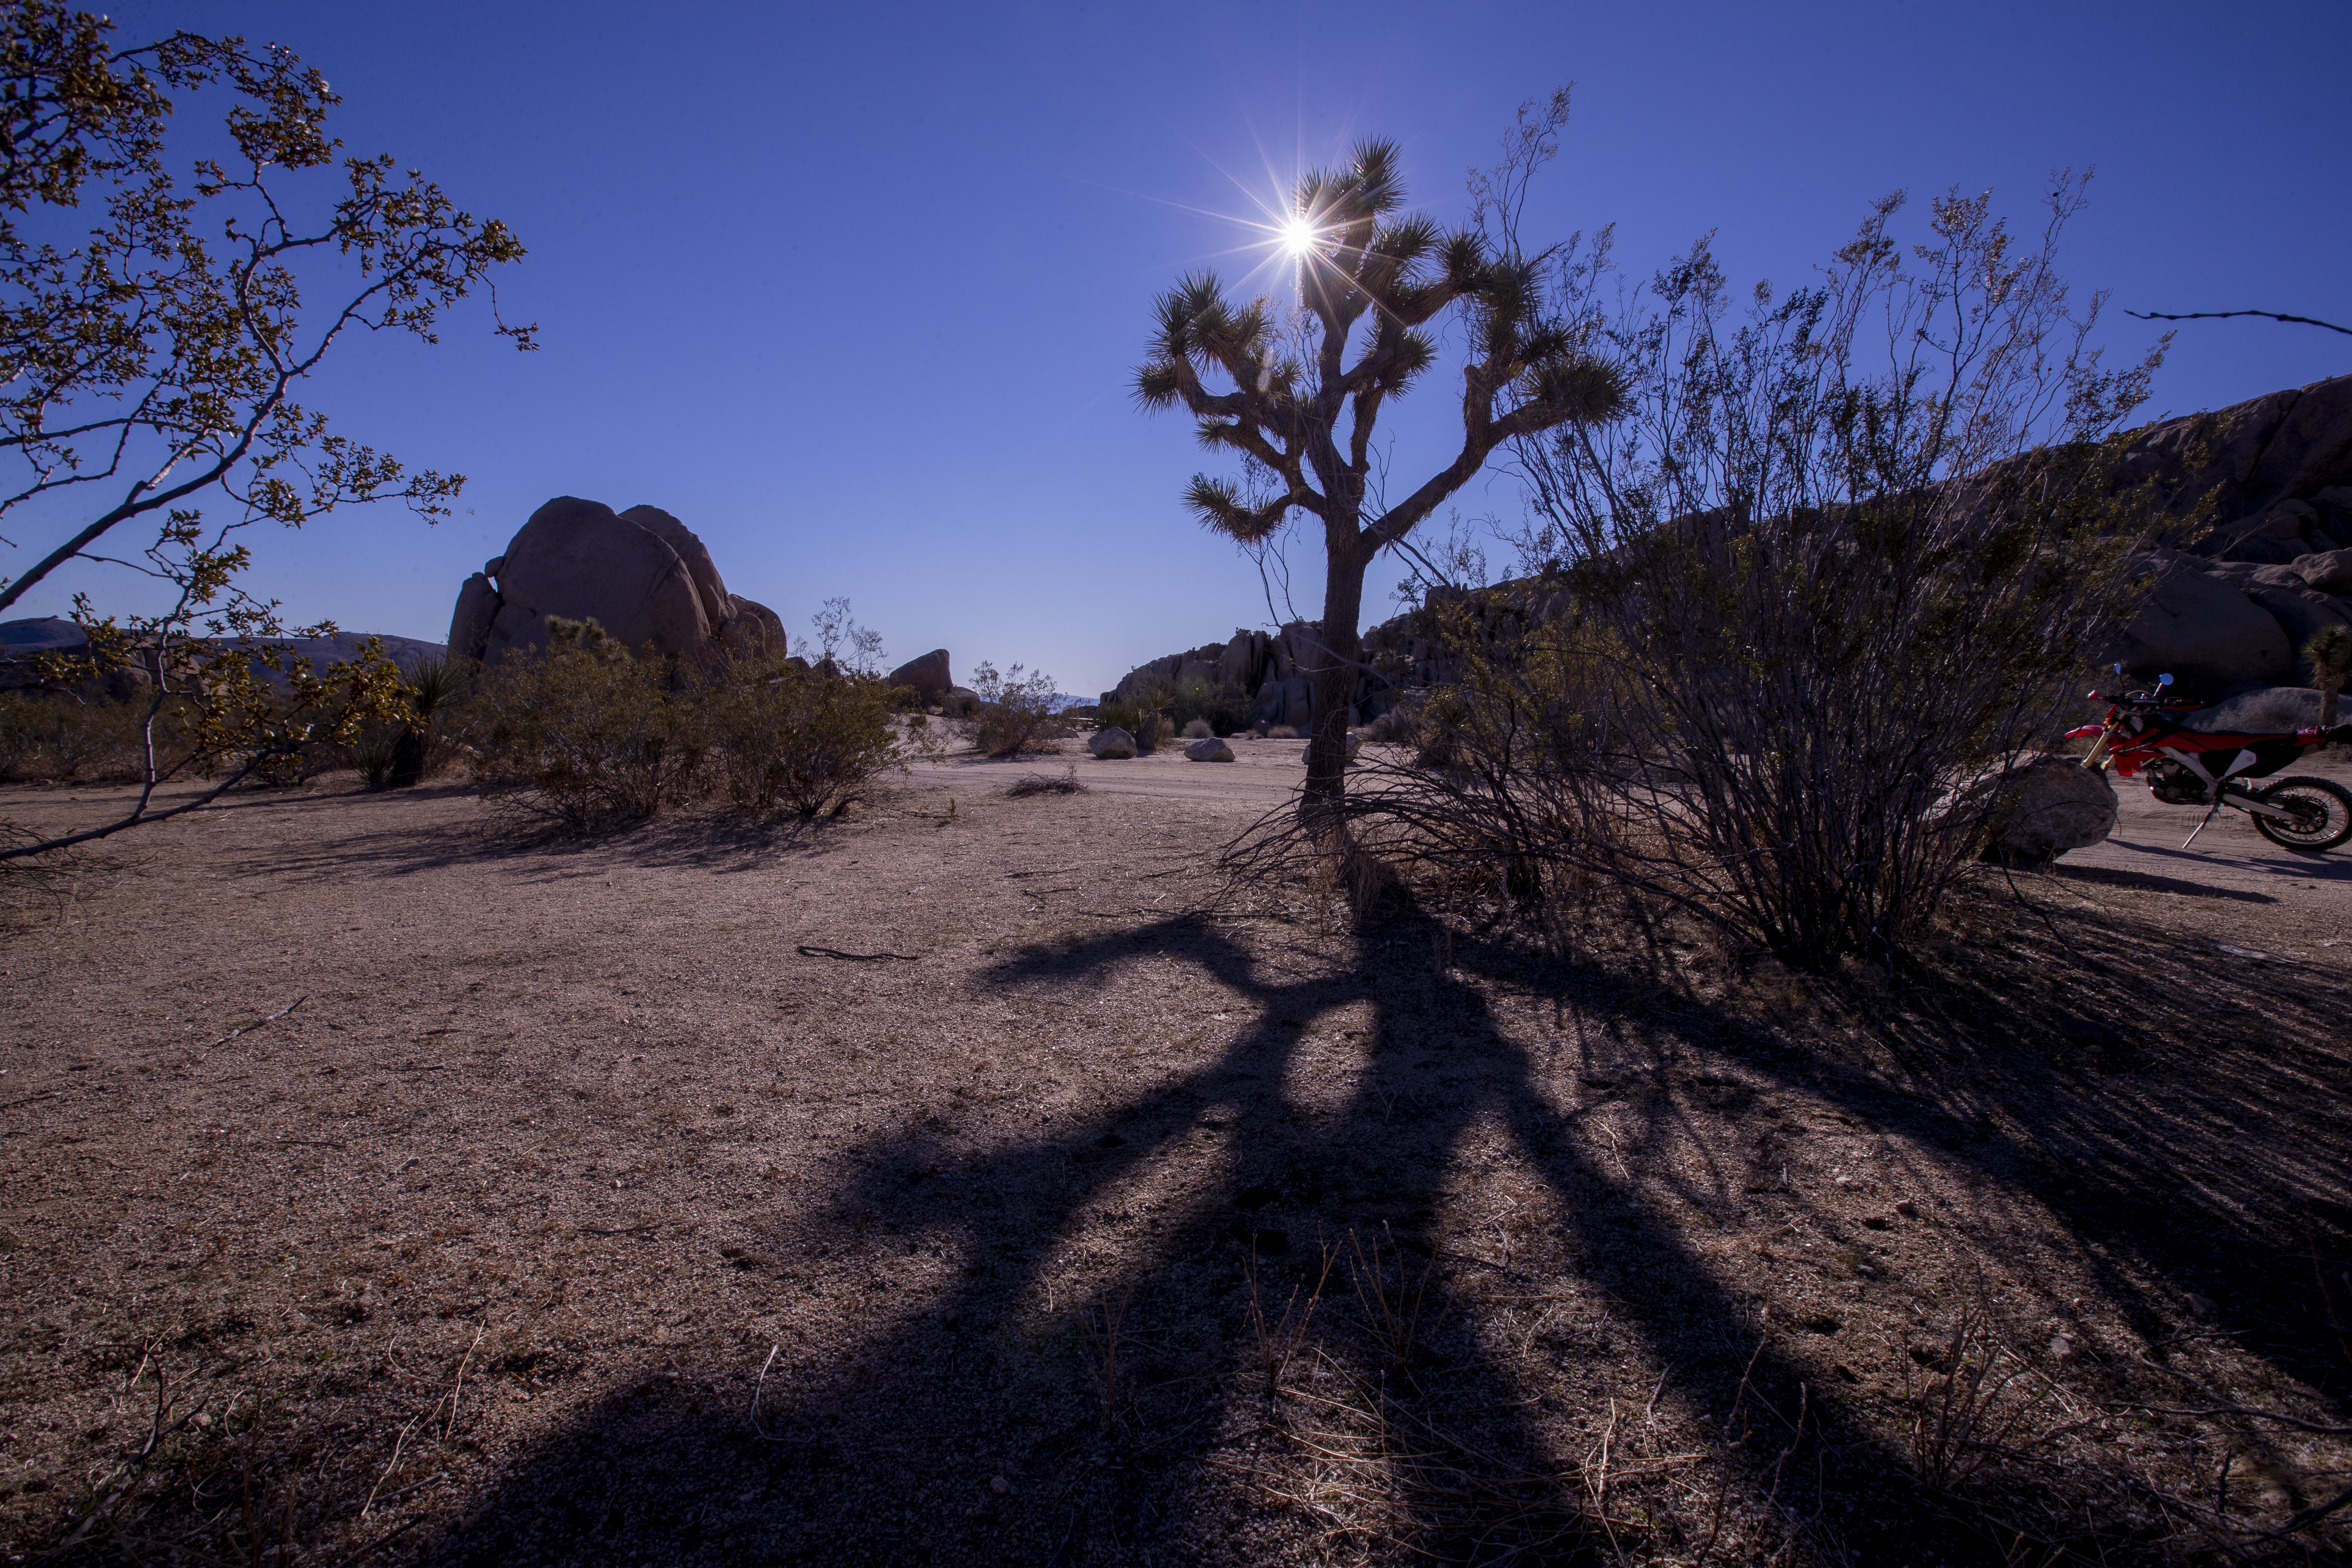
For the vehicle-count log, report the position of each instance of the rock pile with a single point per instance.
(1270, 669)
(641, 573)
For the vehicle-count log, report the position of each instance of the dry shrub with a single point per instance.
(1065, 783)
(796, 740)
(1198, 730)
(63, 737)
(1825, 569)
(585, 734)
(1978, 1403)
(1016, 712)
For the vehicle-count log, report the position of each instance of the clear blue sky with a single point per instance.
(855, 291)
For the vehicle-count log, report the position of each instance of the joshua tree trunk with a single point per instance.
(1336, 654)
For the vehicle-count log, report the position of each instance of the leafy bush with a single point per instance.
(1016, 712)
(799, 740)
(585, 734)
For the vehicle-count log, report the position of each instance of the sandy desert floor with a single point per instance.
(975, 1179)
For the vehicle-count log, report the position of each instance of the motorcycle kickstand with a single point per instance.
(2216, 806)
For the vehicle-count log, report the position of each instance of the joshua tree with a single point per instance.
(2329, 652)
(1369, 278)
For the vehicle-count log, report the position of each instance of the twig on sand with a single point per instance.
(759, 1387)
(807, 951)
(247, 1028)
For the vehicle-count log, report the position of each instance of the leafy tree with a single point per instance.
(1307, 386)
(152, 335)
(153, 354)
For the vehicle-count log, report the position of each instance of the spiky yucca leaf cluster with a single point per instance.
(1390, 274)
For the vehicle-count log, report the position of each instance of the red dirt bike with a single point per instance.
(2188, 766)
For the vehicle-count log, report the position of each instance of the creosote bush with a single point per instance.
(1201, 702)
(61, 738)
(1840, 555)
(787, 739)
(585, 734)
(593, 737)
(1016, 712)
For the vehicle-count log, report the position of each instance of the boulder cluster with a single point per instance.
(1270, 669)
(641, 575)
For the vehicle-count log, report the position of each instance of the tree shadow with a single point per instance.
(966, 1428)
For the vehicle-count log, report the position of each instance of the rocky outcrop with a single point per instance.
(2253, 460)
(1272, 671)
(642, 575)
(2203, 632)
(931, 675)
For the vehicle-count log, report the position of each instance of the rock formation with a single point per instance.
(929, 675)
(642, 575)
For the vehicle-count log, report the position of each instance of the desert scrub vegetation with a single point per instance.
(801, 741)
(1200, 702)
(585, 734)
(60, 738)
(590, 736)
(1835, 556)
(1016, 712)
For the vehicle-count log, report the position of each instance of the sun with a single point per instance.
(1297, 236)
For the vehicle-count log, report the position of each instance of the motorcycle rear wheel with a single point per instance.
(2323, 813)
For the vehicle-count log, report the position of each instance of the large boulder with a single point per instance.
(2329, 571)
(1237, 663)
(2300, 613)
(1211, 749)
(2203, 632)
(2274, 710)
(709, 590)
(2285, 446)
(1113, 744)
(579, 559)
(2049, 805)
(929, 675)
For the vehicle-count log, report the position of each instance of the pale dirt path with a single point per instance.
(2257, 895)
(1263, 773)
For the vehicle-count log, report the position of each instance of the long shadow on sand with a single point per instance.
(964, 1428)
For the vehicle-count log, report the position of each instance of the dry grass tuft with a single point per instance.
(1066, 783)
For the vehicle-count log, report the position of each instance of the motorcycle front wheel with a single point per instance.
(2322, 808)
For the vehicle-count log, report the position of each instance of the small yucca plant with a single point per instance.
(2329, 652)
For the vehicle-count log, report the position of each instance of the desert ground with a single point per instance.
(980, 1178)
